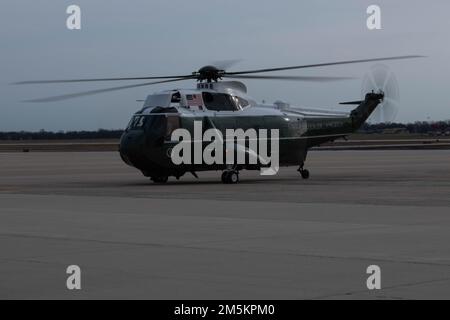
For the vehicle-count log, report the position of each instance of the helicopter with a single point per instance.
(216, 104)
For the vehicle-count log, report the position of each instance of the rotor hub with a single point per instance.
(209, 74)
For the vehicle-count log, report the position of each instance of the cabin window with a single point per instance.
(218, 101)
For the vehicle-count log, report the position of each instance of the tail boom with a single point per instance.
(360, 115)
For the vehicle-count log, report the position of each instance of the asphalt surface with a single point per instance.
(266, 238)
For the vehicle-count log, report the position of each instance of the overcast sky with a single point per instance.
(142, 37)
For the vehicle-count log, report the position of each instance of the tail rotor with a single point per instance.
(380, 79)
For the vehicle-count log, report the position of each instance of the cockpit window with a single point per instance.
(176, 97)
(158, 100)
(240, 102)
(218, 101)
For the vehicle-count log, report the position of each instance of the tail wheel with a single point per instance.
(305, 174)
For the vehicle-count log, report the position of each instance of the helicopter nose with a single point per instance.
(131, 146)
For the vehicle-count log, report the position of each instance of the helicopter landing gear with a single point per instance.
(304, 172)
(160, 179)
(230, 177)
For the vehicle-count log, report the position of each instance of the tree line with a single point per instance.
(419, 127)
(61, 135)
(416, 128)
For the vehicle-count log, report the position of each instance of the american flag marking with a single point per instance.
(194, 100)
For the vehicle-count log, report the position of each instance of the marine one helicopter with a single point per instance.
(146, 143)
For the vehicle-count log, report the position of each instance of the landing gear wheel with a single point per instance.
(160, 179)
(230, 177)
(233, 177)
(225, 177)
(304, 173)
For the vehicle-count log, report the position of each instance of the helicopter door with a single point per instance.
(173, 123)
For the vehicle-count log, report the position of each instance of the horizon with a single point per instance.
(385, 125)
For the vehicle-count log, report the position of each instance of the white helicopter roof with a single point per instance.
(233, 88)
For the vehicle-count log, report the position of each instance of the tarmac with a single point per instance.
(277, 237)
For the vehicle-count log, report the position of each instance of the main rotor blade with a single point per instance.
(100, 79)
(323, 64)
(291, 78)
(92, 92)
